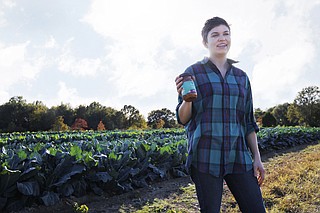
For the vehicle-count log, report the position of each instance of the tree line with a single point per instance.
(303, 111)
(18, 116)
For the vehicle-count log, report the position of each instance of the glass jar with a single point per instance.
(189, 92)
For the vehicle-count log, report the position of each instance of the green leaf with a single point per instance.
(112, 155)
(28, 173)
(153, 147)
(37, 147)
(88, 159)
(22, 155)
(165, 149)
(52, 151)
(8, 178)
(146, 146)
(76, 151)
(29, 188)
(68, 172)
(98, 147)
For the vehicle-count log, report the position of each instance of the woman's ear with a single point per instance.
(205, 44)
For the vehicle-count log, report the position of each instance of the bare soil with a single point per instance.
(134, 200)
(105, 203)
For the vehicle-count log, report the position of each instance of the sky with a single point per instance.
(124, 52)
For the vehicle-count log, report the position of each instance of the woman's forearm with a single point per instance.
(258, 168)
(253, 145)
(185, 112)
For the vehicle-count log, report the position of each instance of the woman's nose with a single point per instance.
(222, 38)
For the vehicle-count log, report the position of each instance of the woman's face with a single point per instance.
(218, 41)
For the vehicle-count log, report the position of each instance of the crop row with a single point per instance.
(285, 137)
(45, 167)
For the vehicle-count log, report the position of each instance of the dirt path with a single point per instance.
(104, 203)
(135, 199)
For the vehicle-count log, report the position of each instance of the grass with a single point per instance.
(292, 185)
(293, 182)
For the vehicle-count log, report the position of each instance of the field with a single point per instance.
(292, 185)
(139, 171)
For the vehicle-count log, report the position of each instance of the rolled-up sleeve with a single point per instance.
(251, 124)
(180, 99)
(177, 109)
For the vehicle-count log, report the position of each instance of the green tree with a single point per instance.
(37, 117)
(308, 106)
(112, 118)
(59, 124)
(14, 115)
(156, 116)
(95, 112)
(80, 111)
(133, 117)
(159, 124)
(66, 111)
(268, 120)
(293, 115)
(280, 113)
(49, 118)
(139, 123)
(119, 119)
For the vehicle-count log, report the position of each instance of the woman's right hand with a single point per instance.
(179, 84)
(185, 110)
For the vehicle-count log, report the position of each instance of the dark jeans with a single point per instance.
(244, 188)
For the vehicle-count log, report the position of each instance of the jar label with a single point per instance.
(188, 87)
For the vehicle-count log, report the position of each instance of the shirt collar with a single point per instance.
(206, 59)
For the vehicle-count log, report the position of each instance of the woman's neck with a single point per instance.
(221, 63)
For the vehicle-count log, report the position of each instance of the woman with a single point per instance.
(220, 125)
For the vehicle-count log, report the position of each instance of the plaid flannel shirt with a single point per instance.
(222, 116)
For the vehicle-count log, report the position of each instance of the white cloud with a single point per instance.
(50, 43)
(4, 5)
(16, 67)
(68, 63)
(65, 93)
(79, 67)
(3, 21)
(138, 35)
(275, 78)
(285, 50)
(9, 3)
(70, 95)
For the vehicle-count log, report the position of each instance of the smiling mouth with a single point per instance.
(222, 45)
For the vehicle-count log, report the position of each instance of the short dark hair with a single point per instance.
(212, 23)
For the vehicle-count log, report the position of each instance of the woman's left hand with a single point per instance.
(259, 171)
